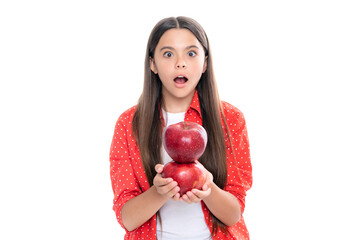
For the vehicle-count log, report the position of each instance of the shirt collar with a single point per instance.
(195, 103)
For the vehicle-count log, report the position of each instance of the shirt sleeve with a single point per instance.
(124, 183)
(239, 164)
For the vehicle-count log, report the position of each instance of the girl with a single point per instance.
(179, 85)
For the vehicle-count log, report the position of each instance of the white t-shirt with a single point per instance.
(180, 220)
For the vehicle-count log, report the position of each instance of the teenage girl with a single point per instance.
(179, 85)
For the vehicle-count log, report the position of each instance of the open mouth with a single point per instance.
(180, 79)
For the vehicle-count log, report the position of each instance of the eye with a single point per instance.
(168, 54)
(192, 54)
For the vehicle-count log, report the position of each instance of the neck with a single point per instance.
(176, 105)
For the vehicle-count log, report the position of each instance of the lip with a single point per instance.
(181, 75)
(180, 85)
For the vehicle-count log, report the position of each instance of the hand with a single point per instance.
(196, 195)
(166, 187)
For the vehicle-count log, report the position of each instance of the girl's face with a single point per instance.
(179, 60)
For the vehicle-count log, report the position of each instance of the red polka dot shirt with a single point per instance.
(129, 180)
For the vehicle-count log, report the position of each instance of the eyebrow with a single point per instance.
(171, 48)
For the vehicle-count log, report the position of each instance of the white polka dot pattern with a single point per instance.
(129, 180)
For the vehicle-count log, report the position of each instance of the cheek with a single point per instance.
(163, 66)
(164, 76)
(165, 70)
(199, 67)
(199, 64)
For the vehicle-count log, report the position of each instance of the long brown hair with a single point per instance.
(148, 124)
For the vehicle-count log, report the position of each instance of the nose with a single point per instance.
(180, 63)
(181, 66)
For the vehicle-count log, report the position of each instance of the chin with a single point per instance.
(182, 94)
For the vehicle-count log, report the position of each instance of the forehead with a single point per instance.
(178, 38)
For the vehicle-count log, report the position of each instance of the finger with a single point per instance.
(170, 194)
(160, 181)
(175, 193)
(202, 194)
(169, 189)
(176, 197)
(159, 168)
(185, 198)
(193, 198)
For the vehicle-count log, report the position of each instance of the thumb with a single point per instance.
(159, 168)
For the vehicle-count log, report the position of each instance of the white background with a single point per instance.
(68, 69)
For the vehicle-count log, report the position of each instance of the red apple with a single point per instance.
(187, 175)
(185, 141)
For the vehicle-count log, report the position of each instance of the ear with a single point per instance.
(153, 65)
(205, 64)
